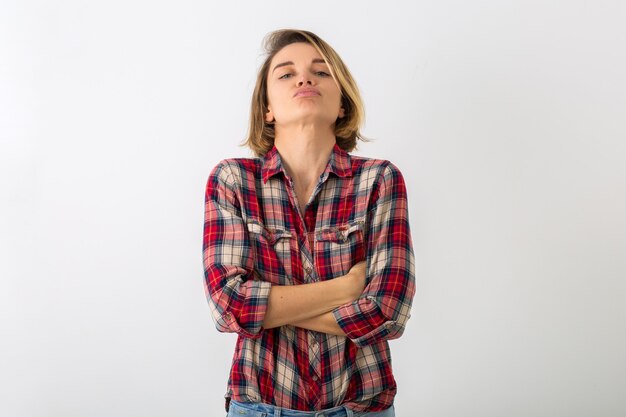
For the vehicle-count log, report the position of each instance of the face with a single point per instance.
(300, 89)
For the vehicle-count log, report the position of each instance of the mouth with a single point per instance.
(307, 92)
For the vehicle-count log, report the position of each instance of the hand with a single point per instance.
(356, 280)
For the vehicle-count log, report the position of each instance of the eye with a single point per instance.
(322, 73)
(285, 76)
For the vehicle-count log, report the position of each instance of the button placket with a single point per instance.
(314, 356)
(308, 268)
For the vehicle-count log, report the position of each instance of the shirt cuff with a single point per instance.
(242, 309)
(364, 322)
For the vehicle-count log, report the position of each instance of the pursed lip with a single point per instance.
(306, 92)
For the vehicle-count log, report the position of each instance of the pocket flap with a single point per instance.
(270, 234)
(339, 233)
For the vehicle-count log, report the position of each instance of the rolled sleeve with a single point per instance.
(384, 307)
(237, 301)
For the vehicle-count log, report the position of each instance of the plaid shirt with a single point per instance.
(255, 236)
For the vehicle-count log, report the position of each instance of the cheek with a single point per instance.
(335, 96)
(274, 98)
(336, 102)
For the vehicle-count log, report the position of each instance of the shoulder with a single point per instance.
(383, 178)
(233, 170)
(381, 169)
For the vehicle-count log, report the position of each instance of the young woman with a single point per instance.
(307, 249)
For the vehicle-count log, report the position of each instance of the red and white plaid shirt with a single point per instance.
(256, 237)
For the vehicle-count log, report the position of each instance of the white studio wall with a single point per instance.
(505, 117)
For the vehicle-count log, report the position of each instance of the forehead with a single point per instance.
(299, 51)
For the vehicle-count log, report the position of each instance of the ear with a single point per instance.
(342, 113)
(269, 116)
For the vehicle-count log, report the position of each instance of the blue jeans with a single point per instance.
(238, 409)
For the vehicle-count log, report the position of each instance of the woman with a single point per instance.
(307, 249)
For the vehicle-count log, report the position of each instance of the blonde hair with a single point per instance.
(261, 134)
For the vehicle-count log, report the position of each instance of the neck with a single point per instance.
(304, 152)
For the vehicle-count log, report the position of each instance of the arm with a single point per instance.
(290, 304)
(238, 302)
(309, 310)
(324, 323)
(382, 310)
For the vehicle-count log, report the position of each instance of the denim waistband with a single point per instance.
(265, 410)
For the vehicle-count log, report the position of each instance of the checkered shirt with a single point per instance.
(255, 236)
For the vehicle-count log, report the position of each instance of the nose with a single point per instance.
(304, 79)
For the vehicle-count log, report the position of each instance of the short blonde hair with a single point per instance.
(260, 137)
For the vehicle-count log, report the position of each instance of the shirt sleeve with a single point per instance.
(237, 301)
(384, 307)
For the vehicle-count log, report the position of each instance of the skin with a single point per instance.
(304, 103)
(304, 125)
(310, 305)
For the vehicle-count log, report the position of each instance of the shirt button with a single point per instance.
(308, 269)
(315, 378)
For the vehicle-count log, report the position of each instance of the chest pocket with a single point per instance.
(272, 252)
(338, 248)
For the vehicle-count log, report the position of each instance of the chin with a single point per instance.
(311, 117)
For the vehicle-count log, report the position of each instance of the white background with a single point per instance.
(507, 119)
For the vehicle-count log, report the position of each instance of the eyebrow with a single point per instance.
(282, 64)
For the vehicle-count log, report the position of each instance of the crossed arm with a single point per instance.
(309, 305)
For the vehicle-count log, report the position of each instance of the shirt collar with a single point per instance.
(339, 163)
